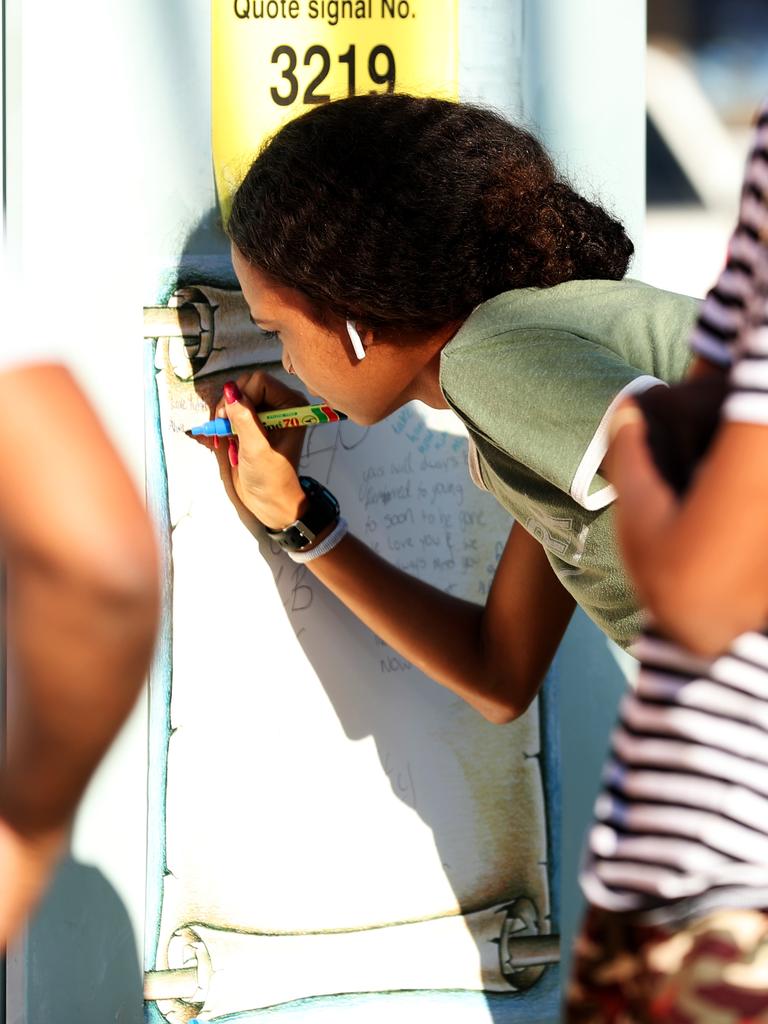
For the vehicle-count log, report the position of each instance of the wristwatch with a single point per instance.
(323, 511)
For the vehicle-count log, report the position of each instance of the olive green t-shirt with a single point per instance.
(535, 374)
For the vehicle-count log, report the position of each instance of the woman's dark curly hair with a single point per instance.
(400, 211)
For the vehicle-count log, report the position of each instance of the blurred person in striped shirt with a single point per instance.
(676, 864)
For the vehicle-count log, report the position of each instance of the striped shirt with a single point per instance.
(682, 817)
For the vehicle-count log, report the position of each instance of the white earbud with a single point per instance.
(357, 341)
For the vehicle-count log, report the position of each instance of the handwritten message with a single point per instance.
(405, 489)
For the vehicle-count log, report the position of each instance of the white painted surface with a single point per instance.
(584, 93)
(79, 238)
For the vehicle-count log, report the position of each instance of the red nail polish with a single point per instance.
(215, 441)
(232, 453)
(231, 392)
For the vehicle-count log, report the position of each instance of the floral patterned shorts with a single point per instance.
(713, 969)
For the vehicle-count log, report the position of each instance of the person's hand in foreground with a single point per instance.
(699, 562)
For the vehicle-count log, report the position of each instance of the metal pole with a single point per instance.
(583, 84)
(584, 90)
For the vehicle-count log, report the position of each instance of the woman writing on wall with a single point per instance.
(406, 248)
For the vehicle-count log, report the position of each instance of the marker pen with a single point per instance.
(274, 419)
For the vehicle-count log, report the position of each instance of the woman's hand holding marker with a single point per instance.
(263, 465)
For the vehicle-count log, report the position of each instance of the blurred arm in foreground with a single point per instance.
(82, 607)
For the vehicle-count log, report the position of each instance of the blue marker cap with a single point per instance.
(220, 427)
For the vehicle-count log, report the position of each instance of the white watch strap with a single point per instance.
(339, 531)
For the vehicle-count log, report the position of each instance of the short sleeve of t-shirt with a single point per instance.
(545, 397)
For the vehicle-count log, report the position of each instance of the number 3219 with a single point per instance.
(381, 71)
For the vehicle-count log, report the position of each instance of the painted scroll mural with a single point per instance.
(335, 834)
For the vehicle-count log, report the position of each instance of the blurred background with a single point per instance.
(707, 69)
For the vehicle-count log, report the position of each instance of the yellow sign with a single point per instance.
(275, 59)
